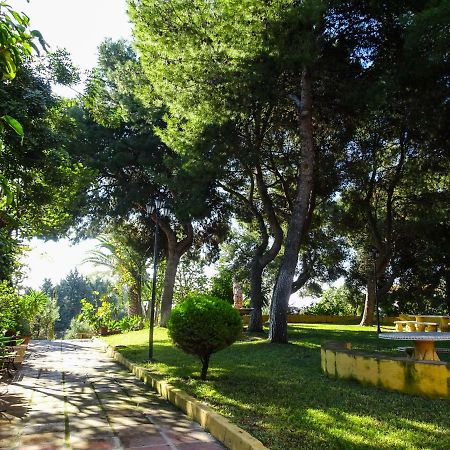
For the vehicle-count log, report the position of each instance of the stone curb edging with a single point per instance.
(222, 429)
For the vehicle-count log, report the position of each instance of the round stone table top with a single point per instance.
(430, 316)
(416, 336)
(245, 311)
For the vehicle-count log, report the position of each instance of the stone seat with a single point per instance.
(413, 325)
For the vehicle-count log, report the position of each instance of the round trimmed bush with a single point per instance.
(202, 325)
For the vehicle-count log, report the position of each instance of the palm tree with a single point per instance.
(126, 261)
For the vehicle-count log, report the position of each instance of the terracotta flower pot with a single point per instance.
(26, 339)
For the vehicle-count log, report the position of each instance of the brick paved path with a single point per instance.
(70, 395)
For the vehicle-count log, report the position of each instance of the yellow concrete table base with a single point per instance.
(425, 350)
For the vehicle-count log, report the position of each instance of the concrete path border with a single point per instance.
(222, 429)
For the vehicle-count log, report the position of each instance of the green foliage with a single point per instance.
(13, 123)
(222, 284)
(16, 40)
(336, 302)
(28, 314)
(236, 256)
(38, 179)
(16, 44)
(31, 306)
(44, 323)
(190, 278)
(59, 68)
(9, 301)
(71, 290)
(78, 327)
(88, 314)
(125, 253)
(104, 313)
(132, 323)
(202, 325)
(102, 319)
(97, 318)
(206, 60)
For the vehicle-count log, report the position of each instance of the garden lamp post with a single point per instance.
(156, 207)
(375, 254)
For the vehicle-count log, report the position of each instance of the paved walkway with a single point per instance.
(70, 395)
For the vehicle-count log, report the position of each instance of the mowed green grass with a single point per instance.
(279, 394)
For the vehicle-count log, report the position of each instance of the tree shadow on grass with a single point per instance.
(278, 394)
(297, 404)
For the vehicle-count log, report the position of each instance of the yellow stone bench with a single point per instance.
(427, 326)
(413, 325)
(410, 324)
(410, 350)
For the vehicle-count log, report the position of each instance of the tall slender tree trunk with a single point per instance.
(256, 297)
(170, 274)
(370, 302)
(263, 256)
(375, 288)
(175, 250)
(301, 206)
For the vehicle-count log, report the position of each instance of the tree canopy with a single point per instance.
(300, 141)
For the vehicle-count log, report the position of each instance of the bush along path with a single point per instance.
(70, 395)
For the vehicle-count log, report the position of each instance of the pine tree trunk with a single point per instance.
(169, 284)
(263, 256)
(256, 298)
(369, 304)
(283, 285)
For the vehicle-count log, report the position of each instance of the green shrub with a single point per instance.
(98, 318)
(88, 315)
(9, 301)
(335, 302)
(19, 314)
(132, 323)
(30, 307)
(101, 319)
(202, 325)
(44, 324)
(78, 327)
(222, 284)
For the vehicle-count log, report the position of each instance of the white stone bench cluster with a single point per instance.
(413, 325)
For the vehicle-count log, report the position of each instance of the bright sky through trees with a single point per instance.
(78, 26)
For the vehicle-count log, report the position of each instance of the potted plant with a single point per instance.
(99, 319)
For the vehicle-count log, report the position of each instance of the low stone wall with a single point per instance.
(401, 374)
(344, 320)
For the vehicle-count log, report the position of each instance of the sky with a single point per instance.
(78, 26)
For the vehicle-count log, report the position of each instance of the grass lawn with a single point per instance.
(279, 395)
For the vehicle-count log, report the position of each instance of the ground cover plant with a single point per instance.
(279, 395)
